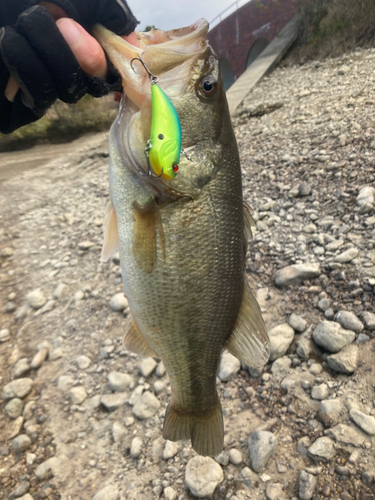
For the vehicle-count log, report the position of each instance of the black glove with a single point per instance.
(35, 53)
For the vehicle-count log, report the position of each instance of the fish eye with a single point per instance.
(207, 86)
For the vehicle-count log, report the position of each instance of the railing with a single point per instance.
(228, 11)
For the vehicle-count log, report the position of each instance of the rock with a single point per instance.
(21, 368)
(346, 361)
(305, 345)
(223, 458)
(16, 427)
(307, 485)
(136, 447)
(365, 422)
(56, 354)
(147, 366)
(107, 493)
(14, 408)
(21, 443)
(146, 406)
(45, 468)
(26, 497)
(349, 321)
(369, 320)
(119, 382)
(296, 274)
(85, 245)
(303, 444)
(30, 458)
(362, 338)
(113, 401)
(170, 449)
(229, 366)
(346, 434)
(202, 476)
(330, 411)
(17, 388)
(39, 358)
(316, 368)
(322, 450)
(262, 445)
(7, 252)
(78, 395)
(281, 366)
(118, 302)
(304, 189)
(281, 337)
(366, 199)
(92, 403)
(160, 370)
(274, 491)
(332, 336)
(136, 394)
(347, 256)
(61, 292)
(4, 335)
(320, 392)
(159, 387)
(235, 456)
(170, 493)
(297, 323)
(324, 304)
(83, 362)
(118, 432)
(288, 384)
(20, 491)
(65, 382)
(36, 299)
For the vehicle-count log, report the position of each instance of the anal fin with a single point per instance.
(206, 430)
(110, 244)
(249, 341)
(134, 342)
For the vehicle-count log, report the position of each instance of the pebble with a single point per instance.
(136, 447)
(297, 323)
(92, 403)
(304, 189)
(45, 468)
(365, 422)
(26, 497)
(296, 274)
(229, 366)
(170, 449)
(320, 392)
(366, 199)
(113, 401)
(136, 394)
(332, 336)
(147, 366)
(21, 443)
(347, 256)
(118, 302)
(302, 445)
(349, 321)
(324, 304)
(281, 366)
(119, 382)
(83, 362)
(330, 411)
(346, 361)
(307, 485)
(159, 387)
(36, 299)
(362, 338)
(160, 370)
(107, 493)
(16, 427)
(20, 491)
(235, 457)
(18, 388)
(274, 491)
(118, 432)
(30, 458)
(170, 493)
(146, 406)
(223, 458)
(322, 450)
(61, 292)
(4, 335)
(281, 337)
(262, 445)
(202, 476)
(316, 368)
(39, 358)
(65, 382)
(14, 408)
(78, 395)
(85, 245)
(21, 368)
(369, 320)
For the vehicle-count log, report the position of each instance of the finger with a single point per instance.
(86, 49)
(132, 39)
(11, 89)
(54, 11)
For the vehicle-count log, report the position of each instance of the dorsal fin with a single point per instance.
(110, 244)
(249, 341)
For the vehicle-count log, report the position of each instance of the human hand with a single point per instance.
(51, 70)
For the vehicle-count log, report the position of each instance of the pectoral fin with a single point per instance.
(134, 342)
(249, 341)
(110, 244)
(248, 222)
(145, 243)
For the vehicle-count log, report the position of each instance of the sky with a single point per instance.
(171, 14)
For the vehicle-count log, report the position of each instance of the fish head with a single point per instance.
(188, 73)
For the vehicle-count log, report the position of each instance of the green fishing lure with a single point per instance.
(163, 149)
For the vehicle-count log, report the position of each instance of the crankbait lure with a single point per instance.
(163, 149)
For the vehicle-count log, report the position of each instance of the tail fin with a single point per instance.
(206, 430)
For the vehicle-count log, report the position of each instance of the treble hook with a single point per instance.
(153, 79)
(149, 172)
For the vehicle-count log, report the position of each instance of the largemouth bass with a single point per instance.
(182, 241)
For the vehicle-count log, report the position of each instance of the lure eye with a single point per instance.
(175, 167)
(161, 136)
(207, 86)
